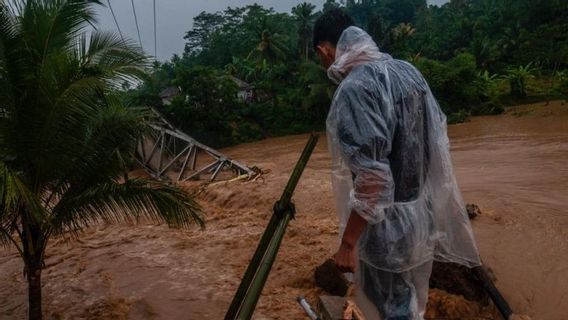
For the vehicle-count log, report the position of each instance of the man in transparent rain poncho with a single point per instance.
(397, 199)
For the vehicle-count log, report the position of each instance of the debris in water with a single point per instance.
(472, 210)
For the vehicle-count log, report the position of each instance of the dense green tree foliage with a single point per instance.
(476, 54)
(500, 33)
(66, 139)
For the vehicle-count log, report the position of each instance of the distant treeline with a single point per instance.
(478, 56)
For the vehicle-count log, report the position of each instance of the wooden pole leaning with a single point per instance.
(248, 293)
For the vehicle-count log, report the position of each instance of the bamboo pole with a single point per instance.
(257, 284)
(252, 268)
(253, 281)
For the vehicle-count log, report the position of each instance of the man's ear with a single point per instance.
(326, 52)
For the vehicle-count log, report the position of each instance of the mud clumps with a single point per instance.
(472, 211)
(443, 305)
(454, 292)
(329, 278)
(458, 280)
(114, 308)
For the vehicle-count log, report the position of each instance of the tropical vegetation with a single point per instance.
(478, 56)
(66, 136)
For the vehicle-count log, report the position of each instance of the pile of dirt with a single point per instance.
(444, 305)
(455, 293)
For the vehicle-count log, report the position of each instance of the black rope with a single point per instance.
(115, 21)
(136, 21)
(280, 210)
(155, 34)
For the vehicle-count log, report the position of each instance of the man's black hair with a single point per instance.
(330, 25)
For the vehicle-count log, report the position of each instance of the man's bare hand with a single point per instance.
(345, 258)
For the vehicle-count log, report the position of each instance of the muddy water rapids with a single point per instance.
(513, 166)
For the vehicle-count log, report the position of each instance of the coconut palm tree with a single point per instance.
(65, 138)
(304, 16)
(399, 37)
(484, 51)
(270, 46)
(402, 32)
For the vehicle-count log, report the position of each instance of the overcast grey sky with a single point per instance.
(175, 18)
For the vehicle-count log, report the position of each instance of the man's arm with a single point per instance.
(345, 258)
(364, 132)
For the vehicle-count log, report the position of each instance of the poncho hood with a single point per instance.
(355, 46)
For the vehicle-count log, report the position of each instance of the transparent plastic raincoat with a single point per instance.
(391, 165)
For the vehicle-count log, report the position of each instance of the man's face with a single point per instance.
(326, 53)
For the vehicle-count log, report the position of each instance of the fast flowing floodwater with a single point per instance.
(514, 166)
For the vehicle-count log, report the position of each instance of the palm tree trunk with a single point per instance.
(33, 258)
(34, 293)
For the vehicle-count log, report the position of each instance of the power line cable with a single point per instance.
(136, 21)
(155, 34)
(115, 21)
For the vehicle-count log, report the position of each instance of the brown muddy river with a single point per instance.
(514, 166)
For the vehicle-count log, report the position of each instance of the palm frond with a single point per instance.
(16, 198)
(129, 201)
(8, 205)
(113, 58)
(115, 130)
(7, 22)
(50, 25)
(8, 32)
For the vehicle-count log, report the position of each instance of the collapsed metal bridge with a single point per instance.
(168, 153)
